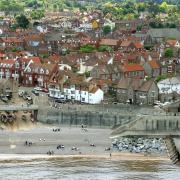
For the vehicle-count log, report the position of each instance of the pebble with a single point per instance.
(140, 145)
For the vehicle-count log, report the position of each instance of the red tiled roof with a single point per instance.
(132, 67)
(172, 42)
(8, 61)
(12, 39)
(36, 60)
(153, 64)
(2, 55)
(110, 42)
(55, 58)
(138, 45)
(125, 43)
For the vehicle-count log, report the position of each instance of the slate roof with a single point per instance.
(165, 32)
(126, 83)
(146, 85)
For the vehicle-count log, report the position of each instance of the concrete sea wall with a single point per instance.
(91, 115)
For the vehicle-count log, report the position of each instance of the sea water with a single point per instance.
(88, 169)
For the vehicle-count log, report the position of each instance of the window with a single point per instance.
(41, 71)
(83, 99)
(152, 94)
(17, 65)
(123, 91)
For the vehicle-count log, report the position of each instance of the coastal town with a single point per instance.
(88, 57)
(90, 78)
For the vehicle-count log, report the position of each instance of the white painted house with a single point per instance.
(93, 96)
(64, 67)
(54, 91)
(86, 67)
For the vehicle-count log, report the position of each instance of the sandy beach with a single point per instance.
(44, 139)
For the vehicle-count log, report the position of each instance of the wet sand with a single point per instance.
(114, 157)
(12, 144)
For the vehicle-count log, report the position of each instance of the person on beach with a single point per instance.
(110, 155)
(93, 145)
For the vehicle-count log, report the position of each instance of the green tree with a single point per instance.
(87, 74)
(104, 48)
(161, 77)
(37, 14)
(163, 7)
(10, 6)
(33, 4)
(87, 48)
(22, 21)
(168, 52)
(141, 7)
(106, 29)
(139, 27)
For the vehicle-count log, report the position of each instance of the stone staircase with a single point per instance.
(125, 126)
(171, 149)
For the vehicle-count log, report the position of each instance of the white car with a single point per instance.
(21, 93)
(38, 88)
(29, 98)
(166, 103)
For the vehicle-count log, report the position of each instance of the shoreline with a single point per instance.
(44, 139)
(115, 156)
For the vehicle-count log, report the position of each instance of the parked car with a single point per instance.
(60, 100)
(21, 93)
(28, 97)
(35, 92)
(4, 99)
(115, 102)
(38, 88)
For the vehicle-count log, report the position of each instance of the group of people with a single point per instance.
(27, 143)
(74, 148)
(84, 128)
(60, 146)
(56, 130)
(50, 152)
